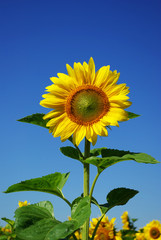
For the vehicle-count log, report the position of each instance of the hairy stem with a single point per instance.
(85, 230)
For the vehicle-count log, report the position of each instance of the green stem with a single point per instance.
(85, 230)
(66, 200)
(93, 185)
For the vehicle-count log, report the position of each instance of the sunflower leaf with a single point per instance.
(71, 152)
(37, 222)
(132, 115)
(80, 212)
(10, 222)
(81, 209)
(34, 221)
(116, 197)
(52, 183)
(36, 119)
(97, 151)
(113, 156)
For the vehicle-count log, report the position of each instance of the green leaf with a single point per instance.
(46, 205)
(97, 151)
(11, 222)
(132, 115)
(81, 210)
(37, 223)
(70, 152)
(33, 222)
(3, 237)
(36, 119)
(28, 215)
(37, 231)
(113, 156)
(52, 183)
(117, 197)
(62, 230)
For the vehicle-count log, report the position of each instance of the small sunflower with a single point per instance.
(105, 229)
(125, 221)
(22, 204)
(140, 236)
(85, 102)
(153, 230)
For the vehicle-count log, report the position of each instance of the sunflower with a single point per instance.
(140, 236)
(153, 230)
(84, 103)
(125, 220)
(105, 230)
(22, 204)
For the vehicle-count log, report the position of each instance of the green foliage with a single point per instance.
(97, 151)
(52, 183)
(81, 209)
(34, 221)
(117, 197)
(132, 115)
(36, 119)
(9, 221)
(113, 156)
(70, 152)
(37, 221)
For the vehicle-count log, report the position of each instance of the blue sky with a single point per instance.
(37, 39)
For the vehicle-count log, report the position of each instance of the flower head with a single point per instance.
(105, 230)
(140, 236)
(153, 230)
(84, 103)
(21, 204)
(125, 220)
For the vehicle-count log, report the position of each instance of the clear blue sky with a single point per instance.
(38, 37)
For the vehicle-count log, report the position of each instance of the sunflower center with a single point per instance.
(87, 104)
(155, 233)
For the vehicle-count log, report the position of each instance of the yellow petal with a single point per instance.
(94, 138)
(99, 129)
(70, 129)
(101, 76)
(62, 126)
(57, 91)
(79, 72)
(92, 70)
(55, 120)
(52, 114)
(52, 104)
(79, 134)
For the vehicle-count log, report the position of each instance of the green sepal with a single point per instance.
(36, 119)
(52, 183)
(132, 115)
(113, 156)
(71, 152)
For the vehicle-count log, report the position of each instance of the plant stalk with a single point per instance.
(93, 185)
(85, 230)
